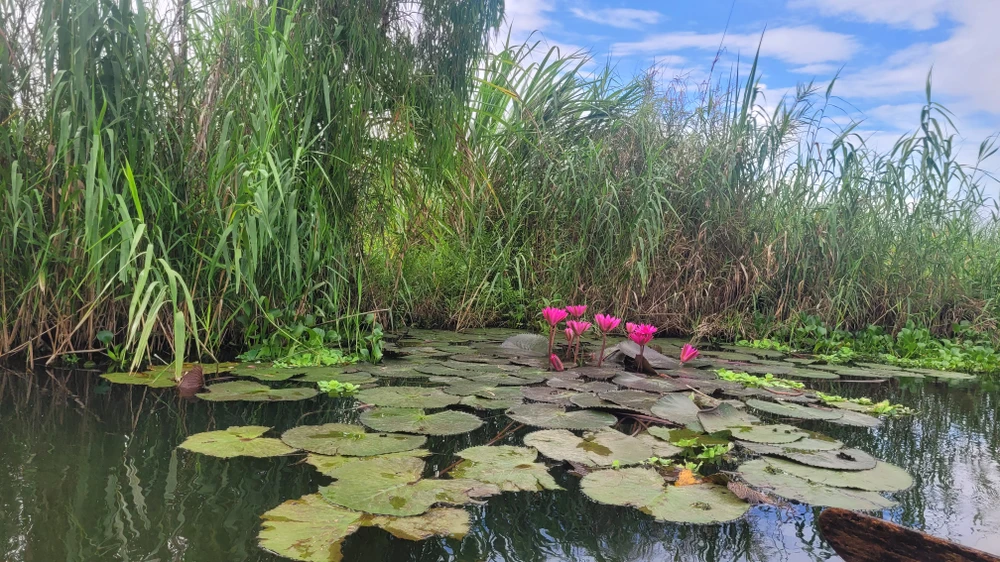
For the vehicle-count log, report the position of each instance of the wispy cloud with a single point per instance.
(625, 18)
(796, 45)
(915, 14)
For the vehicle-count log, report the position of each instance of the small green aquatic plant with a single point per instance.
(754, 381)
(765, 343)
(840, 356)
(336, 388)
(713, 454)
(883, 408)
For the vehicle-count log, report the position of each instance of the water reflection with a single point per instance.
(89, 473)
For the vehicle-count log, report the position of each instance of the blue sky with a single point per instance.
(883, 50)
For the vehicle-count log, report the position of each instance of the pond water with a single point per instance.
(90, 471)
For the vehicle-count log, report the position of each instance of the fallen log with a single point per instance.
(861, 538)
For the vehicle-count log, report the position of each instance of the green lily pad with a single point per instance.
(730, 356)
(348, 440)
(599, 449)
(678, 408)
(381, 486)
(725, 416)
(777, 433)
(884, 477)
(762, 474)
(660, 448)
(549, 394)
(943, 375)
(857, 419)
(207, 368)
(319, 374)
(414, 420)
(655, 359)
(436, 369)
(814, 442)
(592, 401)
(836, 459)
(795, 411)
(265, 372)
(159, 380)
(644, 489)
(551, 416)
(650, 384)
(394, 370)
(249, 391)
(473, 358)
(458, 386)
(311, 529)
(512, 469)
(407, 397)
(480, 403)
(636, 400)
(237, 441)
(677, 435)
(327, 464)
(503, 378)
(530, 343)
(596, 373)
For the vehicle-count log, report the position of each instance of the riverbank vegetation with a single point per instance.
(240, 176)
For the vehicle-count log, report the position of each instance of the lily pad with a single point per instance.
(645, 489)
(595, 373)
(381, 487)
(592, 401)
(836, 459)
(677, 435)
(814, 442)
(311, 529)
(530, 343)
(655, 359)
(725, 416)
(512, 469)
(943, 375)
(884, 477)
(600, 449)
(503, 378)
(678, 408)
(730, 356)
(159, 380)
(237, 441)
(549, 394)
(480, 403)
(437, 369)
(249, 391)
(463, 387)
(326, 464)
(396, 370)
(318, 374)
(857, 419)
(407, 397)
(551, 416)
(660, 447)
(762, 474)
(265, 372)
(650, 384)
(414, 420)
(348, 440)
(777, 433)
(794, 411)
(636, 400)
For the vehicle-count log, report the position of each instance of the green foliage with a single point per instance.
(217, 178)
(765, 344)
(883, 408)
(754, 381)
(336, 389)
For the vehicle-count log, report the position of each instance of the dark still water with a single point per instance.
(91, 473)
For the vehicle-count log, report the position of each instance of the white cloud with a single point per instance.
(626, 18)
(796, 45)
(527, 16)
(816, 69)
(915, 14)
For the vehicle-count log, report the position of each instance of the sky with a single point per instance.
(881, 51)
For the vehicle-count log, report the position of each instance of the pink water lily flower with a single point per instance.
(553, 316)
(570, 336)
(629, 327)
(578, 327)
(605, 323)
(576, 310)
(642, 334)
(688, 353)
(555, 363)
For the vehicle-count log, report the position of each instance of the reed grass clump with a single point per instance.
(198, 177)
